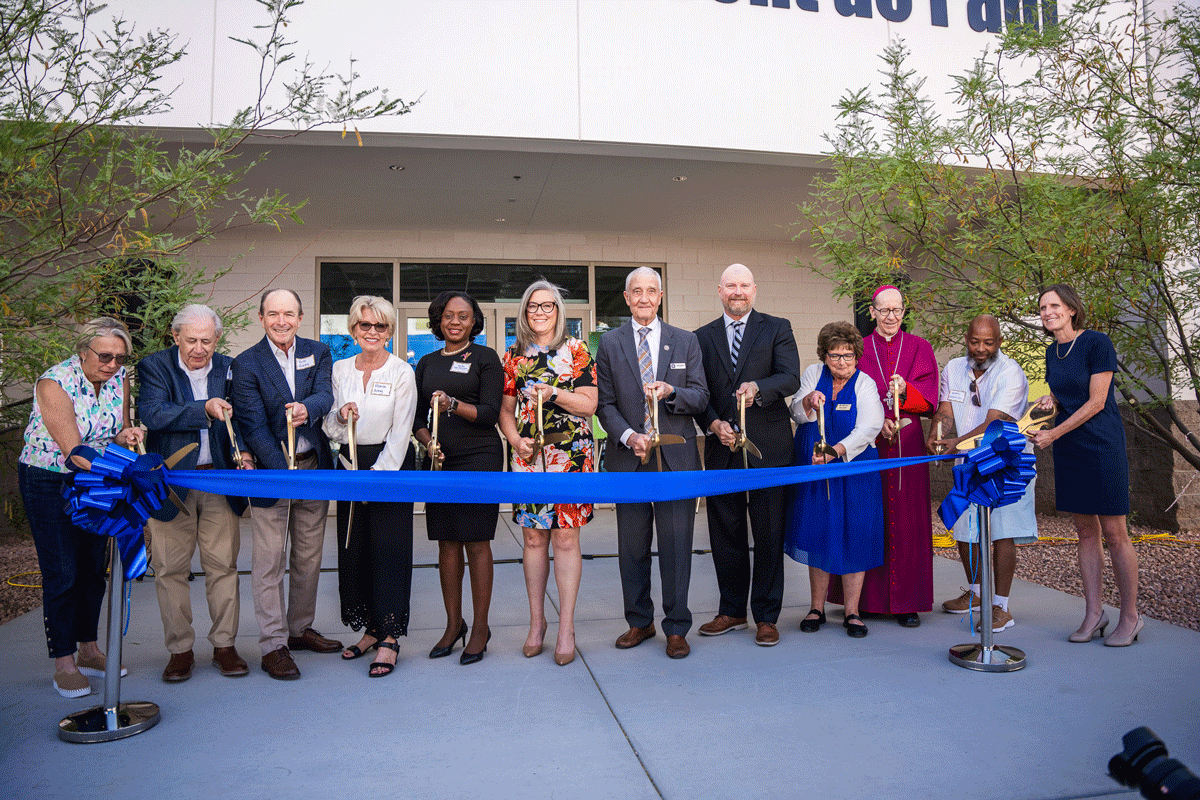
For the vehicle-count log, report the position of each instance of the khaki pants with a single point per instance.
(213, 526)
(270, 557)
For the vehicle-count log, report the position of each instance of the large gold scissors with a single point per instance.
(742, 442)
(542, 438)
(657, 439)
(1035, 419)
(822, 447)
(433, 448)
(352, 464)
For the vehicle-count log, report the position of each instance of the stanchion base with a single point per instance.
(997, 658)
(91, 724)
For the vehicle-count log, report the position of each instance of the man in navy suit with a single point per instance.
(765, 370)
(647, 356)
(183, 400)
(282, 372)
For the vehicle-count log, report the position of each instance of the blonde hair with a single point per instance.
(383, 310)
(100, 327)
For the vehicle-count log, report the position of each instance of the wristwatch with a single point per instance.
(554, 394)
(452, 405)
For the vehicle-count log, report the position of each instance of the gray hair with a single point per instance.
(195, 313)
(525, 335)
(383, 310)
(100, 327)
(643, 271)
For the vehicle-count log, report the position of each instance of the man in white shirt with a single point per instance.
(183, 400)
(976, 389)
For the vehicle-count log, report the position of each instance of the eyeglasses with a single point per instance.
(378, 327)
(975, 401)
(545, 308)
(890, 312)
(844, 357)
(107, 357)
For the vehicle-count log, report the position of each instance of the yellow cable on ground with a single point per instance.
(11, 578)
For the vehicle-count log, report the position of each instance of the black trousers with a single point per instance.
(730, 538)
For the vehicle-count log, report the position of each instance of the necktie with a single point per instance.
(737, 343)
(647, 366)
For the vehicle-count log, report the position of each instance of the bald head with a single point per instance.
(983, 341)
(737, 291)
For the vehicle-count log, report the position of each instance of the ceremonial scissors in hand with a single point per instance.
(657, 439)
(822, 447)
(742, 442)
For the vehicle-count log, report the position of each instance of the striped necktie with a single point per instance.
(646, 363)
(737, 342)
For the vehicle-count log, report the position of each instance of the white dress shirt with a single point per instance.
(653, 339)
(287, 363)
(386, 407)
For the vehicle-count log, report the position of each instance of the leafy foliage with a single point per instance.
(96, 212)
(1071, 156)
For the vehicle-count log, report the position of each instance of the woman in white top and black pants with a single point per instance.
(375, 561)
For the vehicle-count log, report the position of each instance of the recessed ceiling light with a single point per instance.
(501, 219)
(396, 167)
(679, 178)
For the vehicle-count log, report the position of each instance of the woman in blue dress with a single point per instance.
(836, 526)
(1091, 470)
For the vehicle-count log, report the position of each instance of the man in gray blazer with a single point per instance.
(647, 356)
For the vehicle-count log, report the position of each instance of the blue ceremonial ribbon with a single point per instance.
(993, 475)
(516, 487)
(115, 498)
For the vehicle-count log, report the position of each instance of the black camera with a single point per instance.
(1144, 764)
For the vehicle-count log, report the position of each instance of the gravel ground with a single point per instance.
(1168, 585)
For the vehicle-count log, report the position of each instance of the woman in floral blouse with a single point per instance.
(545, 361)
(81, 401)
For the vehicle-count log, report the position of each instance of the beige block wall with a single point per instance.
(693, 267)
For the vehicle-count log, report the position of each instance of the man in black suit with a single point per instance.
(647, 356)
(183, 400)
(747, 353)
(285, 372)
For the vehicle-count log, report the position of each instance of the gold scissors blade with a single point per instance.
(433, 448)
(290, 450)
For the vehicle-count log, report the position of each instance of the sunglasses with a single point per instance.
(378, 327)
(107, 357)
(975, 401)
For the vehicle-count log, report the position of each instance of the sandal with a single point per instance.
(855, 631)
(812, 625)
(383, 665)
(356, 652)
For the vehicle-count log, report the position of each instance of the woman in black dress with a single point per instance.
(1091, 471)
(467, 382)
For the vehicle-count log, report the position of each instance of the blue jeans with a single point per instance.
(73, 562)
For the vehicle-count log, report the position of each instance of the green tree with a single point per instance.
(1070, 156)
(96, 210)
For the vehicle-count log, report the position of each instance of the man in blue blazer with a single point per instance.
(183, 399)
(642, 356)
(282, 372)
(765, 372)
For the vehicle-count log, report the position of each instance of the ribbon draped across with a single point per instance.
(993, 475)
(116, 497)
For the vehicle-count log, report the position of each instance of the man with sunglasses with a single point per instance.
(976, 389)
(184, 397)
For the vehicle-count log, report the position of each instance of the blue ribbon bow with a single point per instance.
(993, 475)
(116, 497)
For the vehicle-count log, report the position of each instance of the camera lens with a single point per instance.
(1144, 764)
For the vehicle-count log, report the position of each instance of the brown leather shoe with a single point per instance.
(280, 666)
(723, 623)
(312, 640)
(767, 636)
(677, 646)
(179, 667)
(229, 662)
(635, 636)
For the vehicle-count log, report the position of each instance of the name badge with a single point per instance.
(957, 396)
(461, 366)
(842, 407)
(381, 389)
(678, 365)
(306, 362)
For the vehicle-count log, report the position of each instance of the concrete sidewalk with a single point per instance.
(820, 715)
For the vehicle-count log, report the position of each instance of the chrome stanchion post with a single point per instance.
(983, 655)
(114, 719)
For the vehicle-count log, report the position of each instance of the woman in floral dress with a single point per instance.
(545, 361)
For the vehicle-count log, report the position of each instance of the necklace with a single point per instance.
(1061, 355)
(446, 352)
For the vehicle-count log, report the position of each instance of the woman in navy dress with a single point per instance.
(1091, 471)
(836, 526)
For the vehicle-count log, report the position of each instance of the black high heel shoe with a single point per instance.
(442, 652)
(472, 658)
